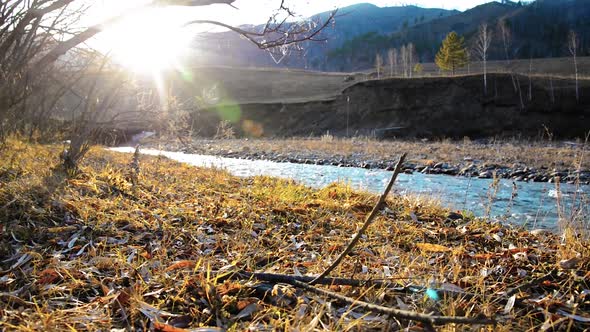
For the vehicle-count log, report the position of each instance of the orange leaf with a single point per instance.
(484, 256)
(517, 250)
(429, 247)
(163, 327)
(48, 276)
(181, 265)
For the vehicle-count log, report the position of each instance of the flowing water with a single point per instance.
(534, 204)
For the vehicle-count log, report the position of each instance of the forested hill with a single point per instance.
(538, 29)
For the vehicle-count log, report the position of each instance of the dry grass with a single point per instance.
(274, 85)
(502, 152)
(97, 252)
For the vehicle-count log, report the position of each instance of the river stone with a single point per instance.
(454, 216)
(539, 231)
(485, 175)
(450, 171)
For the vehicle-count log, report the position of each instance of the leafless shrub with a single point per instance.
(573, 43)
(88, 124)
(225, 130)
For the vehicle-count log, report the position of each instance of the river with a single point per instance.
(532, 204)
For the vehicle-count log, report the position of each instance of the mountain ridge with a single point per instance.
(363, 30)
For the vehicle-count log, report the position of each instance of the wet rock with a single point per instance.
(485, 175)
(450, 171)
(454, 216)
(518, 172)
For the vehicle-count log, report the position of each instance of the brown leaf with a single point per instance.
(429, 247)
(48, 276)
(181, 265)
(163, 327)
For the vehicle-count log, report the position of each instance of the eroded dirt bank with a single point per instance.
(425, 107)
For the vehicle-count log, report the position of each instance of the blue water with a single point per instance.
(534, 204)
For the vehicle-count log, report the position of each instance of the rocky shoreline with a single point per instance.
(468, 168)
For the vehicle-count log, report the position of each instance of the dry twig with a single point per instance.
(397, 313)
(368, 221)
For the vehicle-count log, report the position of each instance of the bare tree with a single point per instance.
(378, 64)
(507, 42)
(573, 43)
(392, 61)
(404, 60)
(468, 54)
(35, 34)
(411, 50)
(482, 44)
(277, 34)
(506, 36)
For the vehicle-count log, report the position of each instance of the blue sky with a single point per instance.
(309, 7)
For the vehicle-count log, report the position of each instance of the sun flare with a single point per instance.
(147, 42)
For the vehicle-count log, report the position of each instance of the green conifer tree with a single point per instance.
(452, 54)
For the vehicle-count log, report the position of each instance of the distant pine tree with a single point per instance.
(452, 54)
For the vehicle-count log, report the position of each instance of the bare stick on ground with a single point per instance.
(367, 223)
(397, 313)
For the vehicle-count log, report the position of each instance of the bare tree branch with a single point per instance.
(397, 313)
(193, 3)
(366, 224)
(286, 34)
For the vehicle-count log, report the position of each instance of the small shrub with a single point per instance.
(327, 137)
(225, 130)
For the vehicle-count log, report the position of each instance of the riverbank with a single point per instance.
(536, 161)
(147, 243)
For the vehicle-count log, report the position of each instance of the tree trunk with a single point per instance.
(485, 78)
(576, 73)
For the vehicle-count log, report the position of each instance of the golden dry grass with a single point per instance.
(503, 152)
(95, 252)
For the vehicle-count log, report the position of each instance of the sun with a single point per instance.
(147, 42)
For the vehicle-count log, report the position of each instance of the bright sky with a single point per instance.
(257, 11)
(156, 37)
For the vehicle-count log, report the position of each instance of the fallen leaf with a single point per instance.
(181, 265)
(429, 247)
(509, 304)
(569, 263)
(163, 327)
(247, 311)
